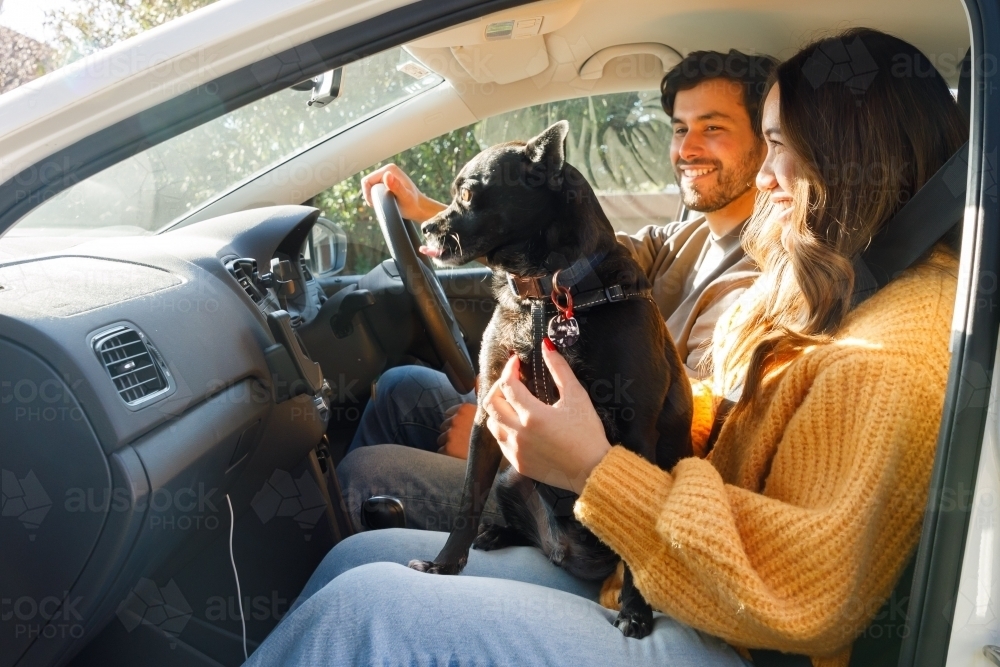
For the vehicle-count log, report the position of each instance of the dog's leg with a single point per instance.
(481, 470)
(636, 616)
(514, 493)
(492, 536)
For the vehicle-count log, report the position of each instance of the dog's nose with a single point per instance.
(429, 227)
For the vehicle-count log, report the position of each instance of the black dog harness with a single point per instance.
(554, 298)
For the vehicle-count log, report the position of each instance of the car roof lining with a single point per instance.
(777, 27)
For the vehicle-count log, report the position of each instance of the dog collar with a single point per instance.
(573, 277)
(579, 278)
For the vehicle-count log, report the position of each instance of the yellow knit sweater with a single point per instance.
(794, 530)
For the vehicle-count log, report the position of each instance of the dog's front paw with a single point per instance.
(430, 567)
(635, 623)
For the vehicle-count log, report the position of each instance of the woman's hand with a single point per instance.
(556, 444)
(413, 204)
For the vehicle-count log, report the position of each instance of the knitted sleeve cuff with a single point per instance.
(621, 501)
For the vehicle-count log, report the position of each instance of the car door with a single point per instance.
(954, 598)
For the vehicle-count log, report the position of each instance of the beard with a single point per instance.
(730, 183)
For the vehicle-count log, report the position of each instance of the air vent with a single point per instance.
(243, 270)
(131, 364)
(305, 269)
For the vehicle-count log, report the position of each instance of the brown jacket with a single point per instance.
(671, 255)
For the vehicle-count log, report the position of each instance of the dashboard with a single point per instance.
(145, 367)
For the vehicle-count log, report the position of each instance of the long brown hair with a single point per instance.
(870, 120)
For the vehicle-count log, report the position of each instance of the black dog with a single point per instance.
(530, 214)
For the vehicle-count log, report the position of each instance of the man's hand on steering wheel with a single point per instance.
(413, 204)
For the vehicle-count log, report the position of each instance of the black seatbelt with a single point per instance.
(769, 658)
(932, 212)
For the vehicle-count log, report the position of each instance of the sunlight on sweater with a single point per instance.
(857, 342)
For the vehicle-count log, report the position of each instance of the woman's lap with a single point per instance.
(394, 545)
(388, 614)
(509, 607)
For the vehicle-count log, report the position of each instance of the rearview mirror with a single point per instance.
(325, 88)
(325, 249)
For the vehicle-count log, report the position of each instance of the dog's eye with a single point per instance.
(465, 195)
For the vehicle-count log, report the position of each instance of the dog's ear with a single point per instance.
(548, 151)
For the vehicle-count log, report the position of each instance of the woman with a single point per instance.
(795, 529)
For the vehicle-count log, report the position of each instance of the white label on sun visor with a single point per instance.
(499, 30)
(413, 69)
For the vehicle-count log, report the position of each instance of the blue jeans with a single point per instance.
(510, 607)
(408, 408)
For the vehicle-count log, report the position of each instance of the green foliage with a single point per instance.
(163, 183)
(85, 28)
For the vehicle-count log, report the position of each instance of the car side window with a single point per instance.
(620, 142)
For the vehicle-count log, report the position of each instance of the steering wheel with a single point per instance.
(423, 285)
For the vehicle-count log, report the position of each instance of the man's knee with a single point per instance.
(404, 380)
(389, 380)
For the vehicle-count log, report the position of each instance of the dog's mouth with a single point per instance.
(443, 247)
(431, 251)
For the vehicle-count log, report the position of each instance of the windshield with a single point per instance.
(147, 191)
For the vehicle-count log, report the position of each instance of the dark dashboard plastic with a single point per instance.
(67, 431)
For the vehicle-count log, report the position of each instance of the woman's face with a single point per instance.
(779, 171)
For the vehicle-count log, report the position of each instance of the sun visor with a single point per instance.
(503, 62)
(509, 25)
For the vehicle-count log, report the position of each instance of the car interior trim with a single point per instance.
(975, 327)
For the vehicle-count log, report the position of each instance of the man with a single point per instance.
(697, 269)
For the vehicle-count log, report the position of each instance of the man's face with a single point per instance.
(714, 151)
